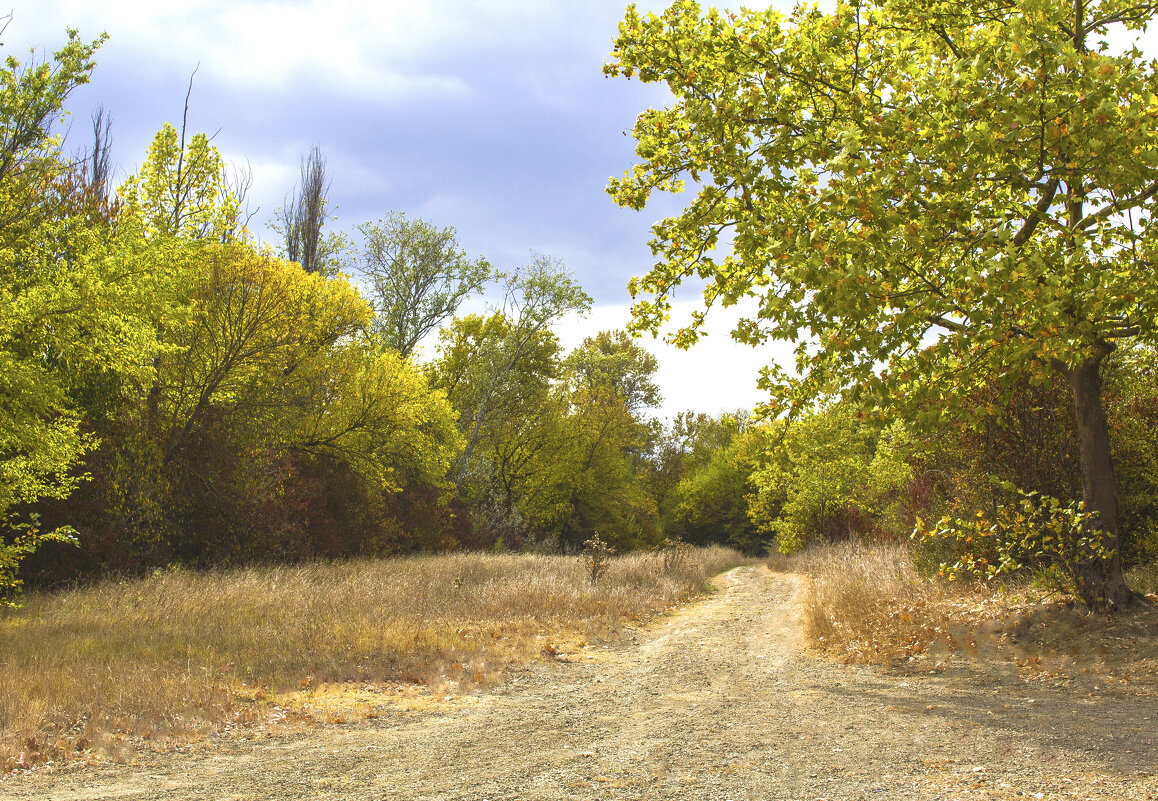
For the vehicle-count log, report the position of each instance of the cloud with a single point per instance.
(715, 375)
(373, 49)
(365, 49)
(491, 116)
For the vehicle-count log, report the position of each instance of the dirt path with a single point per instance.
(716, 702)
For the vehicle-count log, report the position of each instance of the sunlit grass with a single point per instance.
(179, 653)
(868, 603)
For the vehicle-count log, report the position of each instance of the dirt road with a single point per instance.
(718, 701)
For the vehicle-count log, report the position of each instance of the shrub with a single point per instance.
(1039, 533)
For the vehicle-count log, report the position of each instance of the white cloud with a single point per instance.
(373, 49)
(717, 374)
(369, 49)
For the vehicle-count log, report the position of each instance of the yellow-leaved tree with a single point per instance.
(71, 305)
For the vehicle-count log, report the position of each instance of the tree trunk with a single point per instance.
(1101, 584)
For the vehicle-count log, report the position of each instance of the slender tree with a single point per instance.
(98, 164)
(304, 215)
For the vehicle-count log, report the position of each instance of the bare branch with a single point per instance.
(99, 159)
(304, 214)
(181, 190)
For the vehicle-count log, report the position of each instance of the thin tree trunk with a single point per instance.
(1101, 584)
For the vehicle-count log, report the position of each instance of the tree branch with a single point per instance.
(1114, 208)
(1043, 204)
(944, 322)
(940, 31)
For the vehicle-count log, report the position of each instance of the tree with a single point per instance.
(609, 384)
(829, 477)
(512, 479)
(924, 196)
(1132, 398)
(71, 305)
(274, 426)
(259, 328)
(98, 165)
(535, 297)
(304, 215)
(701, 472)
(32, 98)
(611, 363)
(418, 277)
(377, 413)
(182, 189)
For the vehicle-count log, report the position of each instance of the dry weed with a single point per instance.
(178, 654)
(867, 603)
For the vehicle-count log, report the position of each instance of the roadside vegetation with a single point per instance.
(963, 457)
(176, 393)
(869, 603)
(163, 659)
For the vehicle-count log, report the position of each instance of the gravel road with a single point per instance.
(717, 701)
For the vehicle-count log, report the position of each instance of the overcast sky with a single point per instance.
(491, 116)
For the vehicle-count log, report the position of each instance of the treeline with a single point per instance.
(173, 392)
(982, 490)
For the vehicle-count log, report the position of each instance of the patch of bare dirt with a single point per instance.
(718, 701)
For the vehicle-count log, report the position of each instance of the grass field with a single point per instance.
(868, 604)
(179, 654)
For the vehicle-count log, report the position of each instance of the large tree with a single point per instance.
(514, 476)
(922, 195)
(418, 277)
(536, 297)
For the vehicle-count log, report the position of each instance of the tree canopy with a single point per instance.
(60, 296)
(924, 196)
(418, 277)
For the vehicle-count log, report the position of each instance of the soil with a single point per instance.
(718, 700)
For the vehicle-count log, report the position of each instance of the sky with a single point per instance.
(492, 116)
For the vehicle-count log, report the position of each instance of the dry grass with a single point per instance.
(868, 604)
(1144, 579)
(179, 654)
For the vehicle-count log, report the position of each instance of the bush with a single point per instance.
(1053, 539)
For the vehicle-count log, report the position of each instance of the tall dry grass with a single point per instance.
(181, 652)
(868, 603)
(1144, 579)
